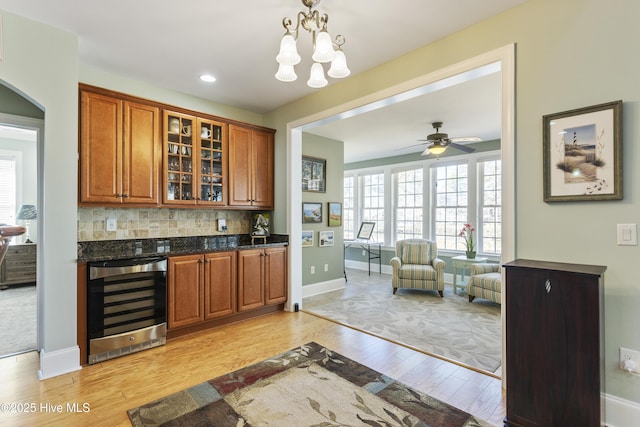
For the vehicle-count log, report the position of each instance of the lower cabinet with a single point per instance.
(262, 277)
(209, 286)
(201, 287)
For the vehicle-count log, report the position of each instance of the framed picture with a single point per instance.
(366, 230)
(311, 213)
(335, 214)
(583, 154)
(314, 174)
(307, 238)
(325, 238)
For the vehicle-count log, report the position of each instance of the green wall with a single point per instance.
(333, 152)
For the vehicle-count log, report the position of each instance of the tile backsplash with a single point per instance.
(157, 223)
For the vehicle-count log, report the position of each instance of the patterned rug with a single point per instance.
(308, 386)
(451, 327)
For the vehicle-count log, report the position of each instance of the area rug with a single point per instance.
(307, 386)
(18, 319)
(451, 327)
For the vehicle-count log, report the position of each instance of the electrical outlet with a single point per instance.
(364, 253)
(112, 224)
(326, 267)
(313, 269)
(629, 360)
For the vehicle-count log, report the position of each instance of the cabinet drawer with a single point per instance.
(19, 265)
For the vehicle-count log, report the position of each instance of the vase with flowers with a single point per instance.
(467, 234)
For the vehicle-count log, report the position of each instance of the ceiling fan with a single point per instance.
(438, 142)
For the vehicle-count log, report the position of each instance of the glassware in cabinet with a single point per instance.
(179, 146)
(212, 162)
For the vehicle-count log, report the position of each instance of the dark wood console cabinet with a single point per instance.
(554, 344)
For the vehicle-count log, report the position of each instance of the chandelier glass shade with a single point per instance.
(325, 50)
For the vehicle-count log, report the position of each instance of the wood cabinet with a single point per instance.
(251, 162)
(262, 277)
(201, 287)
(195, 160)
(119, 150)
(19, 265)
(554, 344)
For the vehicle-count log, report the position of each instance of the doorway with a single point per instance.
(505, 57)
(19, 194)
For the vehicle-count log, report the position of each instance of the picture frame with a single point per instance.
(325, 238)
(314, 172)
(311, 213)
(307, 238)
(582, 154)
(334, 214)
(366, 230)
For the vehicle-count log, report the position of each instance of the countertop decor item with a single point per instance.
(27, 213)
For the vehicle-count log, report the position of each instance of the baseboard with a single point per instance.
(620, 412)
(59, 362)
(323, 287)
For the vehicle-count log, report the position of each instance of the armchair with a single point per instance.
(417, 266)
(485, 281)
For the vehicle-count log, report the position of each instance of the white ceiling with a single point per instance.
(170, 44)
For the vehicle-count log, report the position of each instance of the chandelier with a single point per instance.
(324, 49)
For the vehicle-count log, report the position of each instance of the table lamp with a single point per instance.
(27, 213)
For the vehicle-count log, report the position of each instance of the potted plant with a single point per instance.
(467, 234)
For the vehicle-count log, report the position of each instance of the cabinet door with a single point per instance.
(100, 148)
(141, 154)
(262, 159)
(186, 290)
(239, 166)
(220, 280)
(179, 165)
(276, 275)
(528, 349)
(212, 162)
(250, 279)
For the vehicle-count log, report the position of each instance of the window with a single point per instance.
(373, 203)
(451, 184)
(348, 219)
(408, 204)
(7, 189)
(490, 206)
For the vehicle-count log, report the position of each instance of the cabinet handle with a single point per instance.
(125, 195)
(118, 195)
(547, 285)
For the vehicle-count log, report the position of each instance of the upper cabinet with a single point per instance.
(119, 150)
(142, 153)
(251, 158)
(195, 160)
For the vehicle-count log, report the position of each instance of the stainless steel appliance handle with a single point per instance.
(96, 272)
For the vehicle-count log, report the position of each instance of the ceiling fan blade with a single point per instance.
(462, 147)
(409, 146)
(466, 139)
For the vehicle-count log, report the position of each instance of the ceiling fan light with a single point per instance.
(286, 73)
(288, 54)
(339, 67)
(323, 51)
(436, 149)
(316, 77)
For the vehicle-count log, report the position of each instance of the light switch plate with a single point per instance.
(627, 235)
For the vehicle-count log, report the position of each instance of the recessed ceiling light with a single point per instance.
(207, 78)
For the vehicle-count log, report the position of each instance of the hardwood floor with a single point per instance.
(110, 388)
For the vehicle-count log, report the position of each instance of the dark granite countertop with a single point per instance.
(108, 250)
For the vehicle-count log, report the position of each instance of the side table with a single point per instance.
(462, 262)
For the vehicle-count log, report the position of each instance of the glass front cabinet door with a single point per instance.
(195, 167)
